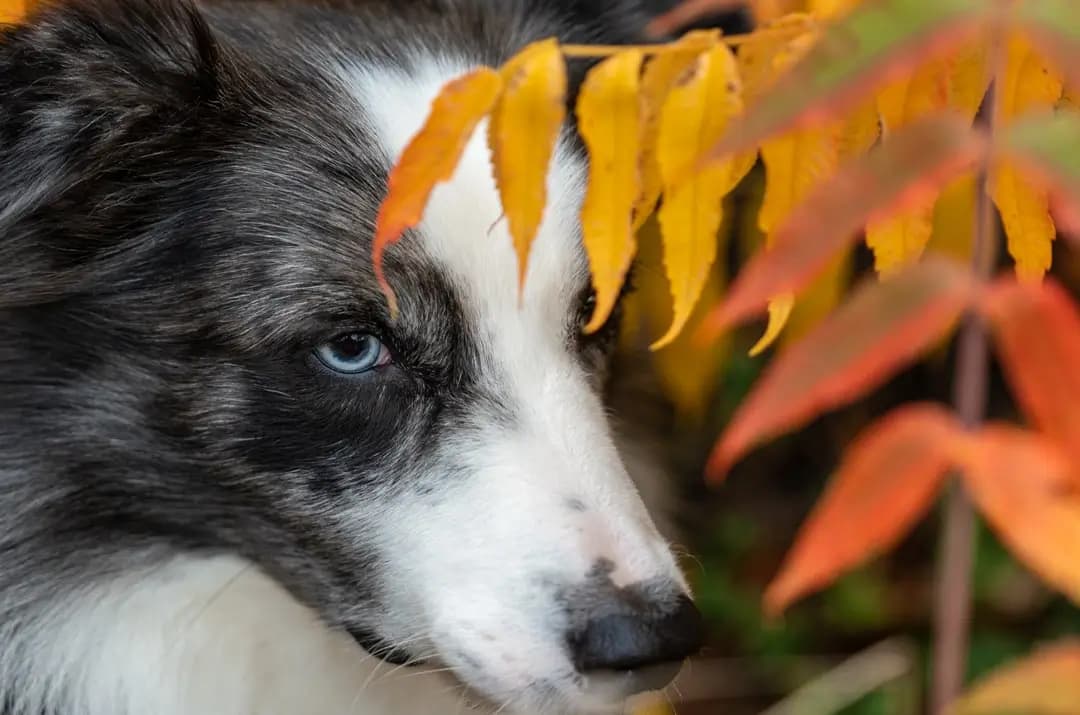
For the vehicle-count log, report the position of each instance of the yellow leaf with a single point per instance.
(954, 219)
(660, 75)
(694, 116)
(795, 162)
(900, 239)
(779, 311)
(652, 704)
(817, 301)
(758, 64)
(969, 76)
(522, 132)
(831, 8)
(430, 157)
(687, 372)
(1025, 213)
(766, 11)
(12, 10)
(1028, 82)
(859, 131)
(609, 119)
(916, 95)
(1046, 682)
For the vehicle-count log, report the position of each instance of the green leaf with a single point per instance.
(878, 39)
(1046, 145)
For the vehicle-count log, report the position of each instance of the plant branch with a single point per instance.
(953, 587)
(585, 51)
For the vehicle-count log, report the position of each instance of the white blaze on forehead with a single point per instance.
(463, 227)
(561, 447)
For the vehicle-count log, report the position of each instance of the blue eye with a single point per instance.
(353, 353)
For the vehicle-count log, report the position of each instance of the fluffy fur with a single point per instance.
(199, 517)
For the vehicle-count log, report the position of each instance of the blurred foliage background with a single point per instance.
(862, 646)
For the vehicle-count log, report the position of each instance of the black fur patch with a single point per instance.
(186, 206)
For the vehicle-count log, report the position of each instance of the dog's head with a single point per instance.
(197, 353)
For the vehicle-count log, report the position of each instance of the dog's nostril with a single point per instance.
(627, 641)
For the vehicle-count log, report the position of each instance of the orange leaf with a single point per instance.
(661, 74)
(695, 112)
(1037, 331)
(524, 127)
(900, 172)
(888, 478)
(1023, 485)
(883, 326)
(12, 10)
(430, 157)
(609, 118)
(1046, 682)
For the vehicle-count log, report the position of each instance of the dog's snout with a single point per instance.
(633, 639)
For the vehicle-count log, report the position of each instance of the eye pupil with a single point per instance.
(352, 353)
(350, 347)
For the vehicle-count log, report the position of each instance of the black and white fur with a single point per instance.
(196, 517)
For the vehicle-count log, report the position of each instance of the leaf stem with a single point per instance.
(584, 51)
(953, 583)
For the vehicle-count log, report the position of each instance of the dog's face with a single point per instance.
(443, 485)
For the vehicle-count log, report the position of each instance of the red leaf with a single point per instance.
(884, 326)
(1023, 484)
(1037, 331)
(888, 479)
(879, 39)
(913, 164)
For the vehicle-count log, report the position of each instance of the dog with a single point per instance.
(230, 482)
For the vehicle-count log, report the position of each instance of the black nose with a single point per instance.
(645, 636)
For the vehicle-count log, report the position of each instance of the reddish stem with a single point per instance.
(953, 589)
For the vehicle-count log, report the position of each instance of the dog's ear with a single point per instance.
(84, 83)
(121, 57)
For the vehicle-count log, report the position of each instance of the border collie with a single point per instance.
(230, 484)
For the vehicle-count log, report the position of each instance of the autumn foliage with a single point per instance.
(865, 116)
(870, 117)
